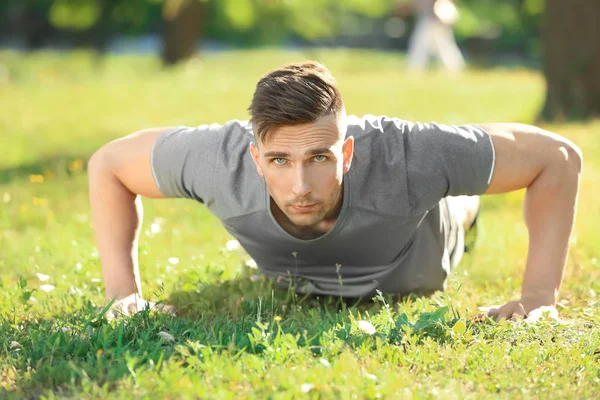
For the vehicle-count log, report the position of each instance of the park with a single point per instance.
(235, 334)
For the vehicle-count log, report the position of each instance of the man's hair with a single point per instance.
(294, 94)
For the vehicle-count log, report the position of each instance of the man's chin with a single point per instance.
(306, 221)
(303, 222)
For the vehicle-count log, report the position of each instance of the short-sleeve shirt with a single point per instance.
(392, 230)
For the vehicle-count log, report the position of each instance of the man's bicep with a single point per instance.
(129, 159)
(522, 152)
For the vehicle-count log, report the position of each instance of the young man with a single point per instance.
(334, 204)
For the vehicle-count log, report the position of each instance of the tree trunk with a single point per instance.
(183, 29)
(571, 42)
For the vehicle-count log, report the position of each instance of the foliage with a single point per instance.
(511, 25)
(514, 24)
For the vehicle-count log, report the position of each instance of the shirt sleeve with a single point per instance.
(446, 160)
(183, 161)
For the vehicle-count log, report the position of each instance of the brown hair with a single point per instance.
(294, 94)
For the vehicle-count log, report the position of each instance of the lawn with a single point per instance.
(236, 335)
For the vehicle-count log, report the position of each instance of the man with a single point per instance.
(334, 204)
(433, 35)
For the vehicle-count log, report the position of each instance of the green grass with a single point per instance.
(239, 338)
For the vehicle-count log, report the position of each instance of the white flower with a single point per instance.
(43, 277)
(366, 327)
(166, 336)
(14, 345)
(156, 225)
(81, 218)
(325, 362)
(306, 387)
(65, 329)
(96, 280)
(251, 264)
(232, 245)
(370, 376)
(75, 291)
(174, 260)
(47, 288)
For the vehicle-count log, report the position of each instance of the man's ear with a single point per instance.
(256, 158)
(348, 152)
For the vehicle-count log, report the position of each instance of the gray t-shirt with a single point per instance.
(394, 231)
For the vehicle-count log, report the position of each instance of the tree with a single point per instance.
(183, 29)
(84, 23)
(571, 59)
(309, 19)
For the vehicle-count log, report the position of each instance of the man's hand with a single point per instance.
(132, 304)
(529, 309)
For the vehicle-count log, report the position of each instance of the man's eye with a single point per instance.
(279, 161)
(320, 158)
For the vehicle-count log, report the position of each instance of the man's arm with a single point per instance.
(119, 173)
(549, 166)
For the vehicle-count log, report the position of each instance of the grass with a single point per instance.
(241, 338)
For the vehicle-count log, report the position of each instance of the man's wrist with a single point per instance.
(120, 295)
(538, 298)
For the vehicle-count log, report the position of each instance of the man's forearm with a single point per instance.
(117, 217)
(549, 212)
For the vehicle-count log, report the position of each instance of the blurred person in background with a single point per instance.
(433, 36)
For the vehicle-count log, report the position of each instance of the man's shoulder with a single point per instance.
(228, 128)
(369, 125)
(376, 177)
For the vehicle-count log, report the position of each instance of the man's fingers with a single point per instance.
(494, 313)
(487, 312)
(506, 311)
(115, 312)
(128, 307)
(515, 311)
(132, 308)
(518, 313)
(165, 308)
(488, 308)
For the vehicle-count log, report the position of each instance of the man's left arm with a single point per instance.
(549, 166)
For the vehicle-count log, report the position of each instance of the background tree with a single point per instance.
(265, 20)
(571, 59)
(183, 29)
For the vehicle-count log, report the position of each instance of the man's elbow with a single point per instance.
(95, 162)
(100, 161)
(572, 158)
(565, 162)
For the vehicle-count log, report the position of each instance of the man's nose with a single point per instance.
(301, 186)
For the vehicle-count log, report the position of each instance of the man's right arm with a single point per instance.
(119, 173)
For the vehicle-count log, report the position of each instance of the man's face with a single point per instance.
(303, 166)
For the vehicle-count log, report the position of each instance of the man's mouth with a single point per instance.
(303, 207)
